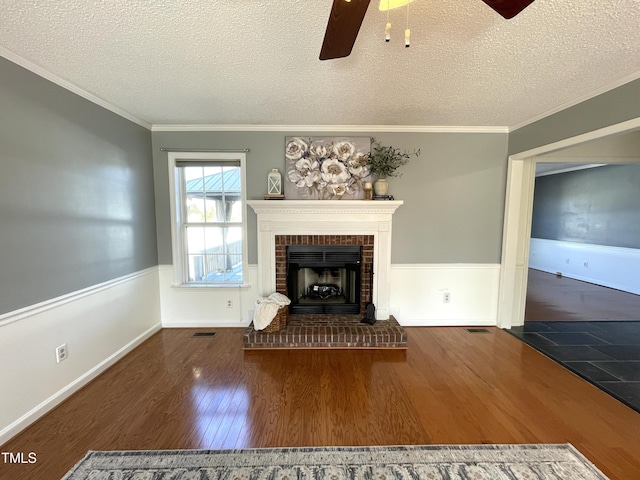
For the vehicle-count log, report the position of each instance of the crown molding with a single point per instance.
(47, 75)
(576, 101)
(622, 127)
(329, 128)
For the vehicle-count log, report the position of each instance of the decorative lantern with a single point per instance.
(274, 184)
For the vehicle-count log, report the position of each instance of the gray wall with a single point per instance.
(76, 192)
(453, 193)
(598, 206)
(615, 106)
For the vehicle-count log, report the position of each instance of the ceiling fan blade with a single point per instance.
(342, 29)
(508, 8)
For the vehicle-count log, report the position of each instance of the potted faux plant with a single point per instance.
(384, 162)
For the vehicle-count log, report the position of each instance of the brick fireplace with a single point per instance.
(332, 222)
(366, 242)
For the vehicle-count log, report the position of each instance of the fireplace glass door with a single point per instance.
(324, 279)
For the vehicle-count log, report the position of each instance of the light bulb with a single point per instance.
(386, 5)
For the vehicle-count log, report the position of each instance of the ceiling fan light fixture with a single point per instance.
(386, 5)
(407, 32)
(346, 17)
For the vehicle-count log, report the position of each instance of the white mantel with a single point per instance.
(327, 217)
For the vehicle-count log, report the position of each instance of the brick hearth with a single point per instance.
(329, 331)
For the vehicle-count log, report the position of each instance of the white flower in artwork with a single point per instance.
(296, 148)
(338, 189)
(319, 151)
(358, 165)
(334, 171)
(306, 173)
(343, 150)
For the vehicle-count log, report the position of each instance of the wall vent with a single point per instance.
(477, 330)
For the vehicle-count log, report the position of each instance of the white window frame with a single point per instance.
(178, 241)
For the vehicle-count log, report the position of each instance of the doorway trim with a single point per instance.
(517, 220)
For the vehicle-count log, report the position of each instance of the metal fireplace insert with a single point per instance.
(324, 279)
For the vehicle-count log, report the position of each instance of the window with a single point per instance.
(208, 218)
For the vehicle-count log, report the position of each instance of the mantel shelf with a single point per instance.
(324, 206)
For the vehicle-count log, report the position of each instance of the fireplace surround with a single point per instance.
(325, 274)
(326, 222)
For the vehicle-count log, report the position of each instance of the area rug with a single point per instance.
(427, 462)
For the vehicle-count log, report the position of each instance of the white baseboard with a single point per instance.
(99, 325)
(34, 414)
(448, 322)
(613, 267)
(221, 323)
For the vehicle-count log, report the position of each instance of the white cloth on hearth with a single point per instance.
(267, 308)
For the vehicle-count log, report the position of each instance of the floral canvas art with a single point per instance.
(326, 168)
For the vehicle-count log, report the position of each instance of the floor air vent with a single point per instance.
(204, 334)
(477, 330)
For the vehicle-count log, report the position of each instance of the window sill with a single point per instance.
(196, 286)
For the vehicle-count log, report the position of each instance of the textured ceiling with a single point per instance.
(194, 62)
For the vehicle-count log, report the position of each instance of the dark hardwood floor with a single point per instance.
(551, 298)
(449, 387)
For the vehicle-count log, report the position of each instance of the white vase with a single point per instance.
(381, 186)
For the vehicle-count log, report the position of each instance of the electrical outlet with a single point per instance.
(446, 297)
(229, 303)
(61, 353)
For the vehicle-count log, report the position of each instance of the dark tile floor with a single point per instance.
(606, 354)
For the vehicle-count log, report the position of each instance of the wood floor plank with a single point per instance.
(449, 387)
(551, 298)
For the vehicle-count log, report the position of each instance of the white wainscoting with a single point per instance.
(417, 294)
(613, 267)
(99, 325)
(188, 307)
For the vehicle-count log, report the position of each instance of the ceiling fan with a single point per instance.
(346, 17)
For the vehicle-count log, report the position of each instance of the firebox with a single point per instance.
(324, 279)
